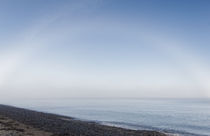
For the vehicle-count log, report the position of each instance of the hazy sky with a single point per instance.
(104, 48)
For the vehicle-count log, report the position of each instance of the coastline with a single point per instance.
(18, 121)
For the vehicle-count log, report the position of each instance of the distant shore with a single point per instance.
(18, 121)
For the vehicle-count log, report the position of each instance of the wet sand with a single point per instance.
(22, 122)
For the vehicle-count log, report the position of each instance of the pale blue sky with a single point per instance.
(105, 48)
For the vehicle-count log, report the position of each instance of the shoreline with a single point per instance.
(28, 122)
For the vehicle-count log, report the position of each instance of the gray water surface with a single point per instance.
(188, 117)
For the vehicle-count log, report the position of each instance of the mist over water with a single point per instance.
(187, 117)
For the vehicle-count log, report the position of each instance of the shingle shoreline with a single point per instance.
(67, 126)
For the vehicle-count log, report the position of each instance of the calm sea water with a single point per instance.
(185, 117)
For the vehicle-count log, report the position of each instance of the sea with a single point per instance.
(180, 117)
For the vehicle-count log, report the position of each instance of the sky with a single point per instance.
(104, 48)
